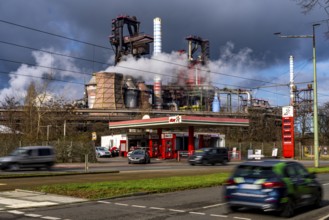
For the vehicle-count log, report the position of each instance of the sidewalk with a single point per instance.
(19, 199)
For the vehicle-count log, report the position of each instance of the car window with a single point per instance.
(254, 171)
(138, 152)
(300, 170)
(44, 152)
(290, 171)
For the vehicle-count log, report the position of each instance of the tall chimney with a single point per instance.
(157, 36)
(291, 61)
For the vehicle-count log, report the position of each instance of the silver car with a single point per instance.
(102, 152)
(29, 157)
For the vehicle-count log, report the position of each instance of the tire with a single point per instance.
(233, 208)
(224, 162)
(288, 209)
(318, 199)
(14, 167)
(129, 162)
(204, 162)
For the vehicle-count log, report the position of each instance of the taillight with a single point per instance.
(230, 182)
(270, 185)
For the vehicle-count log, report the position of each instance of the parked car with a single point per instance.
(211, 156)
(272, 185)
(102, 152)
(139, 156)
(29, 157)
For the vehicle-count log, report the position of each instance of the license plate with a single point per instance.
(250, 186)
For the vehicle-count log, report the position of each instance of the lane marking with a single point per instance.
(33, 215)
(325, 184)
(16, 212)
(242, 218)
(50, 218)
(324, 217)
(3, 184)
(105, 202)
(176, 210)
(197, 213)
(221, 216)
(211, 206)
(139, 206)
(157, 208)
(122, 204)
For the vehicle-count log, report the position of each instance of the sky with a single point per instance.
(68, 40)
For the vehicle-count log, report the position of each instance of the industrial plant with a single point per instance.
(191, 90)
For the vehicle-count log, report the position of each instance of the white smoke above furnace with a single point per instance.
(46, 65)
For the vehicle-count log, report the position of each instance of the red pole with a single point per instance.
(190, 140)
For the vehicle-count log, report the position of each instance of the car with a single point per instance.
(211, 156)
(102, 152)
(139, 156)
(29, 157)
(272, 185)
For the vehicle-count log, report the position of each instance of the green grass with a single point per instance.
(102, 190)
(110, 189)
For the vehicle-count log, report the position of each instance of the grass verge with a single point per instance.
(108, 189)
(103, 190)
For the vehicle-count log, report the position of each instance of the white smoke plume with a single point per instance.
(46, 65)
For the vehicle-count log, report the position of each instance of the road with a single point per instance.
(196, 204)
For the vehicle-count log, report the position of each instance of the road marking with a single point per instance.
(105, 202)
(157, 208)
(16, 212)
(33, 215)
(50, 218)
(139, 206)
(324, 217)
(211, 206)
(325, 184)
(176, 210)
(242, 218)
(3, 184)
(221, 216)
(122, 204)
(197, 213)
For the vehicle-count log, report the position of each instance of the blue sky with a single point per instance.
(240, 32)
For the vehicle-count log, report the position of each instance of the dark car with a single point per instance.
(209, 156)
(139, 156)
(272, 185)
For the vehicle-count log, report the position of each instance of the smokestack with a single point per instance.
(157, 92)
(157, 36)
(291, 61)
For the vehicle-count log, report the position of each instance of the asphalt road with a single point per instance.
(197, 204)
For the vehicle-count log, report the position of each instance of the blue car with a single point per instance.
(272, 185)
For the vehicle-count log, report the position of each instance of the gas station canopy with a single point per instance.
(179, 121)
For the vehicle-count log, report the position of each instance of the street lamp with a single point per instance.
(315, 93)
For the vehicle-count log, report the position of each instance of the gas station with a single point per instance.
(165, 144)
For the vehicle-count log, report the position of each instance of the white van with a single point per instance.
(29, 157)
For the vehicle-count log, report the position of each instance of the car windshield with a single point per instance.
(101, 148)
(254, 172)
(138, 152)
(17, 152)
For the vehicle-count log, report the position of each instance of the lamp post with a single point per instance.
(315, 93)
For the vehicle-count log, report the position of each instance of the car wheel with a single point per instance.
(129, 162)
(318, 199)
(233, 208)
(14, 167)
(224, 162)
(288, 209)
(205, 162)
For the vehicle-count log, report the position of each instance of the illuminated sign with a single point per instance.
(175, 119)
